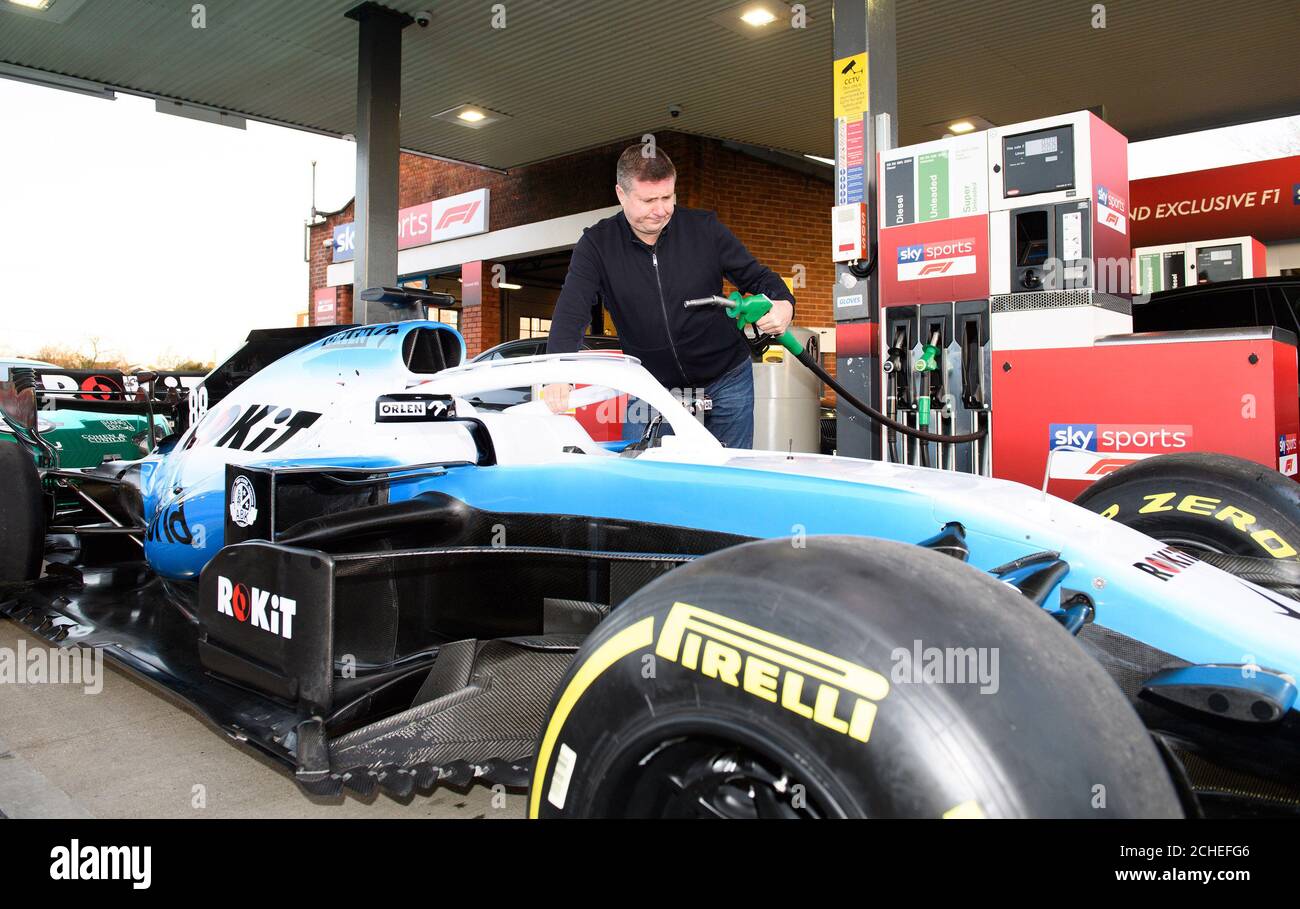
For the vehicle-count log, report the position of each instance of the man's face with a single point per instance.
(648, 206)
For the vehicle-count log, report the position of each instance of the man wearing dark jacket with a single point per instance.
(645, 262)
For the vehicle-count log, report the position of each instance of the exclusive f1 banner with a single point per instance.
(1260, 199)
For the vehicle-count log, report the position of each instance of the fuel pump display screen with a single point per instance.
(1038, 162)
(1218, 263)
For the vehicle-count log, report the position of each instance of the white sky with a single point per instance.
(164, 236)
(158, 234)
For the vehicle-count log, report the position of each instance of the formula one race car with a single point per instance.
(345, 565)
(93, 416)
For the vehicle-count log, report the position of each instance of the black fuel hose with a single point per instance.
(807, 359)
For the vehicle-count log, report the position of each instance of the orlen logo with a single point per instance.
(255, 606)
(1118, 438)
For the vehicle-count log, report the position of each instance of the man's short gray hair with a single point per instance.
(633, 164)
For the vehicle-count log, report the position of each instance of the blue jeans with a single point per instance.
(731, 421)
(732, 418)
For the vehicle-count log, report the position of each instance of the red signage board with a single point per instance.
(471, 284)
(324, 306)
(1260, 199)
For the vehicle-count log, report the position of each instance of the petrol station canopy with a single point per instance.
(573, 74)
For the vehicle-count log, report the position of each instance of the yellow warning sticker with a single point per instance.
(851, 86)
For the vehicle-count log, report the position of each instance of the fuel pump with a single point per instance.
(747, 310)
(934, 410)
(900, 400)
(973, 361)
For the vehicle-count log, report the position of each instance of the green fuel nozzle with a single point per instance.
(929, 359)
(747, 310)
(923, 410)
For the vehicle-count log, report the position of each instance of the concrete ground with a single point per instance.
(127, 752)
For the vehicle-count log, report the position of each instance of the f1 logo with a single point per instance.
(1108, 465)
(935, 268)
(458, 214)
(1112, 218)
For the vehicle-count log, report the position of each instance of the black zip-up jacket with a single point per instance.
(643, 288)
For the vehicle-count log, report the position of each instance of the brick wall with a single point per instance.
(781, 215)
(481, 325)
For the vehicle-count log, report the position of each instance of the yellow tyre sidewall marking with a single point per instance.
(631, 639)
(1209, 507)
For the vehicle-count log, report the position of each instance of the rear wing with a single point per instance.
(262, 348)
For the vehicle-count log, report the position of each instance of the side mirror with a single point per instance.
(18, 401)
(18, 408)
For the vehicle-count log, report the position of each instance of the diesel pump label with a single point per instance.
(934, 182)
(936, 260)
(824, 689)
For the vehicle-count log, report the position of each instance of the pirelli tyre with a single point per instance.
(22, 517)
(1204, 502)
(847, 677)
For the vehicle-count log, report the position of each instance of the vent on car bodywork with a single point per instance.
(430, 350)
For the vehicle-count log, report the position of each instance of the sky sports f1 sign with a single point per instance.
(1111, 210)
(1287, 456)
(942, 259)
(1089, 451)
(428, 222)
(1149, 439)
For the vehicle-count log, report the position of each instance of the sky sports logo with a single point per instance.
(1113, 437)
(936, 260)
(1110, 200)
(1111, 210)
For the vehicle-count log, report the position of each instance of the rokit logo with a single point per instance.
(257, 607)
(933, 260)
(1119, 438)
(1166, 564)
(256, 427)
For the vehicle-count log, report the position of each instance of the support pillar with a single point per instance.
(379, 96)
(865, 46)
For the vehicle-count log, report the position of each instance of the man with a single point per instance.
(645, 262)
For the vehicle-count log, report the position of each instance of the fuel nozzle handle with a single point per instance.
(747, 310)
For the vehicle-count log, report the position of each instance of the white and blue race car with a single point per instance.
(344, 564)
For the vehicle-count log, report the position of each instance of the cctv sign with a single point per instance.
(429, 222)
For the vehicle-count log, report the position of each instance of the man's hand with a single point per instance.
(778, 318)
(557, 397)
